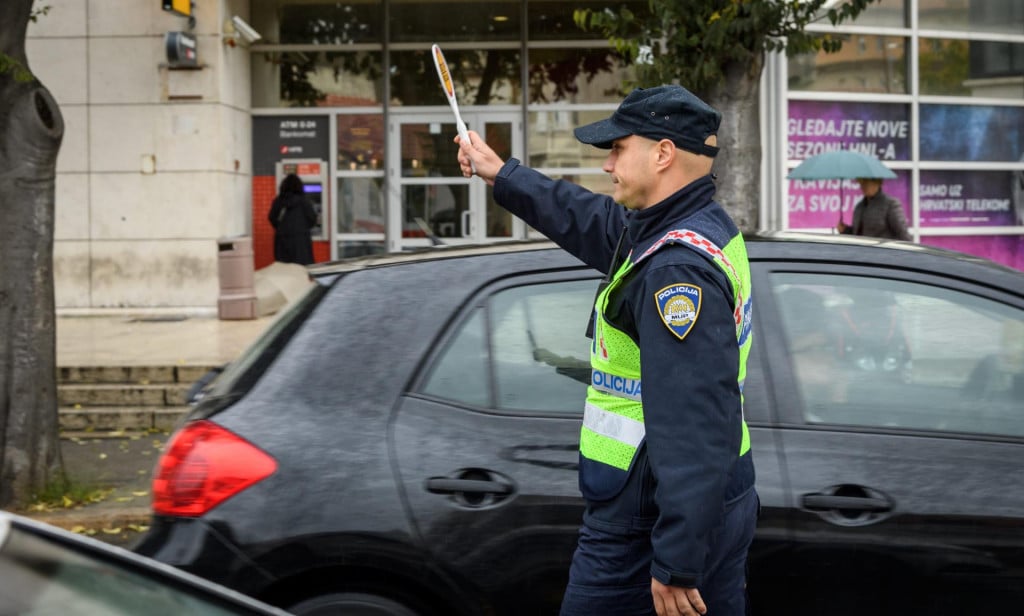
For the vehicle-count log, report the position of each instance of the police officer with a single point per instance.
(665, 463)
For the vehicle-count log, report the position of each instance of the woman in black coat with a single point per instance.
(292, 216)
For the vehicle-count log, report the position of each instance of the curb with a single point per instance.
(70, 519)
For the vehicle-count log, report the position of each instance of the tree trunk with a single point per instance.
(31, 129)
(738, 164)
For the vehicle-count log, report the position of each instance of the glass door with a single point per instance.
(430, 201)
(504, 133)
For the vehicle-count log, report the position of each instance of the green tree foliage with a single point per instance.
(694, 42)
(944, 67)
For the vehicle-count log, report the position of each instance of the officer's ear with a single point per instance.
(665, 153)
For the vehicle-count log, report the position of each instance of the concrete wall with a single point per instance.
(155, 163)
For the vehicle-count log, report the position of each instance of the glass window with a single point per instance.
(498, 136)
(881, 130)
(954, 67)
(577, 76)
(815, 204)
(360, 142)
(303, 22)
(1006, 16)
(316, 78)
(541, 357)
(538, 353)
(551, 20)
(551, 141)
(943, 67)
(1005, 249)
(361, 205)
(428, 150)
(982, 133)
(885, 13)
(893, 354)
(461, 372)
(971, 198)
(444, 208)
(42, 575)
(480, 77)
(438, 21)
(866, 63)
(349, 248)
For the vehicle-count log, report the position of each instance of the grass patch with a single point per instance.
(66, 493)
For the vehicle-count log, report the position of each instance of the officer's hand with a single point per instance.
(486, 161)
(676, 601)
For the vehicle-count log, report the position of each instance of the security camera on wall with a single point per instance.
(244, 30)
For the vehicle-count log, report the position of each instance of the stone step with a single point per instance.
(106, 421)
(122, 394)
(141, 375)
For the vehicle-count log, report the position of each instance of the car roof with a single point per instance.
(763, 245)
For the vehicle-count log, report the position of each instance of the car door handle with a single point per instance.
(827, 502)
(448, 485)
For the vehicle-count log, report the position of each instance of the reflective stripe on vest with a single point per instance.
(613, 427)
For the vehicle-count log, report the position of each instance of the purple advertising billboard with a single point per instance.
(1005, 249)
(821, 203)
(970, 199)
(876, 129)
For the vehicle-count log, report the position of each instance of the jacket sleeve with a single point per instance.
(275, 212)
(856, 220)
(896, 220)
(309, 212)
(586, 224)
(692, 414)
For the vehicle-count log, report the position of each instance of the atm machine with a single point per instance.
(313, 173)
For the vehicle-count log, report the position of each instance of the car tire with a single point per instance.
(350, 604)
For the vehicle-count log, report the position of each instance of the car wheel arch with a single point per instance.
(420, 591)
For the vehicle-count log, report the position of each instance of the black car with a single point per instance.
(404, 439)
(46, 570)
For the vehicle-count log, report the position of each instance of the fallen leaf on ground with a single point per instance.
(111, 531)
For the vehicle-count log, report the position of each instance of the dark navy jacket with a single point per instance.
(687, 471)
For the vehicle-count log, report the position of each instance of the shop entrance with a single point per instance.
(429, 199)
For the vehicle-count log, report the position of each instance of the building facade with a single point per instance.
(161, 160)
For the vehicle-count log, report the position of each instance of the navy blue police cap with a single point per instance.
(664, 112)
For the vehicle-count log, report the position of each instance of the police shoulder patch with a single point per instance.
(679, 305)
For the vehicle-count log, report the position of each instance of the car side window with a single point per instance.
(886, 353)
(540, 353)
(528, 344)
(461, 373)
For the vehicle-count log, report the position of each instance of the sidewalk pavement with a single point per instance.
(120, 465)
(153, 339)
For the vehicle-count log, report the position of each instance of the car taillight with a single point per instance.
(204, 465)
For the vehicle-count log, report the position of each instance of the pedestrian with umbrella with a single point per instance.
(876, 214)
